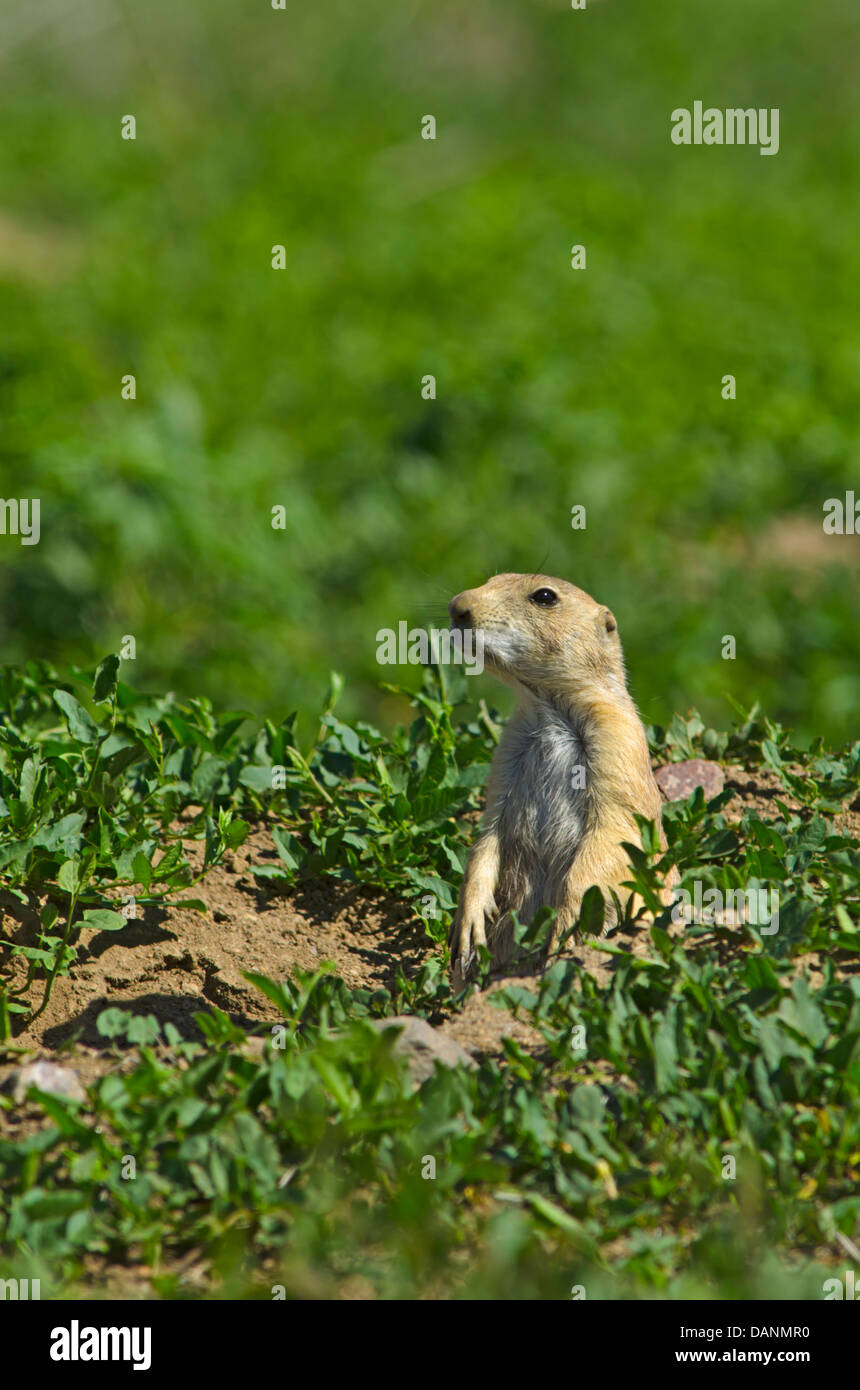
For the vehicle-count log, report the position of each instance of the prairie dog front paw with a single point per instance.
(468, 930)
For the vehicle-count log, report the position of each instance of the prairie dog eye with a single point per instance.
(544, 598)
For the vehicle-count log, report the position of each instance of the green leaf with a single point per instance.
(61, 1111)
(771, 754)
(592, 912)
(431, 804)
(259, 779)
(113, 1023)
(554, 1214)
(666, 1050)
(105, 681)
(144, 1030)
(335, 689)
(142, 870)
(81, 726)
(335, 1079)
(68, 877)
(207, 777)
(170, 862)
(286, 847)
(29, 779)
(236, 833)
(64, 834)
(103, 919)
(801, 1013)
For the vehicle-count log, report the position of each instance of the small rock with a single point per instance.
(424, 1045)
(57, 1081)
(677, 780)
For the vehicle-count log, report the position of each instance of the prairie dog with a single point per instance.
(571, 769)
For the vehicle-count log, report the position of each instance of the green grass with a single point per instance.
(598, 1162)
(301, 388)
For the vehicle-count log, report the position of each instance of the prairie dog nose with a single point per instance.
(461, 614)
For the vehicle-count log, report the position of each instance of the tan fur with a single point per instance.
(543, 840)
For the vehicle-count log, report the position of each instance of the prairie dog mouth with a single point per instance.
(502, 646)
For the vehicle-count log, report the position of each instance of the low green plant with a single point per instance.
(691, 1130)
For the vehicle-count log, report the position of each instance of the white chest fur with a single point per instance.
(544, 777)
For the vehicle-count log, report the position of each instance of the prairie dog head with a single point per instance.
(543, 634)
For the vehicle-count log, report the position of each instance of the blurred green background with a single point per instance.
(405, 257)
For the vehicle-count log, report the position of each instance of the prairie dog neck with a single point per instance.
(606, 724)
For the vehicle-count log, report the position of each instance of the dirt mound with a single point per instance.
(172, 961)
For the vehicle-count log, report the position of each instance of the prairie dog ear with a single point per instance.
(607, 621)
